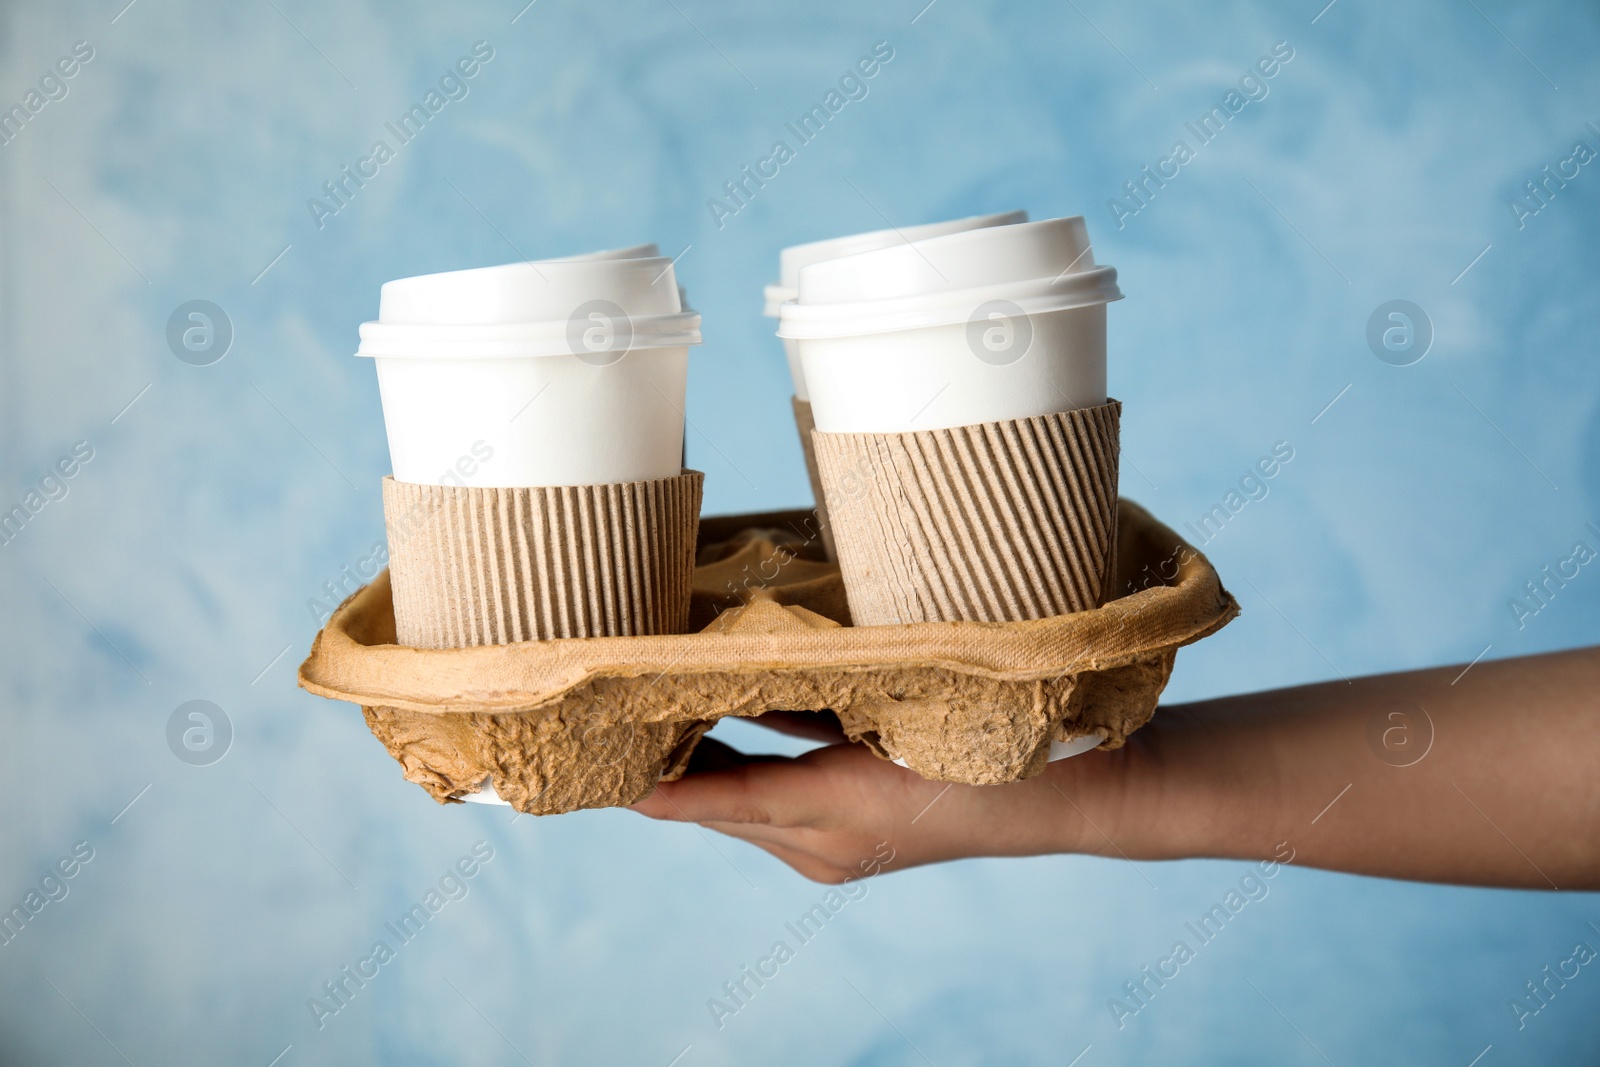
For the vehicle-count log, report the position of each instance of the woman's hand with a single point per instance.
(841, 812)
(1477, 775)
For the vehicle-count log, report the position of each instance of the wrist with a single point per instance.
(1221, 784)
(1185, 785)
(1102, 801)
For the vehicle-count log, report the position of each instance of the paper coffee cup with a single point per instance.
(967, 451)
(535, 420)
(986, 325)
(547, 373)
(792, 259)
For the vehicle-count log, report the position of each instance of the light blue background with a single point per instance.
(180, 563)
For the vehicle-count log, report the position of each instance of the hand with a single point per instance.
(840, 812)
(1303, 775)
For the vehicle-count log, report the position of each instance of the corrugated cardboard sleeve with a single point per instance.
(995, 522)
(804, 422)
(579, 723)
(476, 566)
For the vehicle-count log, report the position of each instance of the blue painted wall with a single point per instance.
(1381, 162)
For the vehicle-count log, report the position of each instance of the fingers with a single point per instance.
(787, 843)
(823, 813)
(712, 755)
(774, 791)
(831, 813)
(794, 838)
(825, 787)
(806, 865)
(774, 840)
(831, 856)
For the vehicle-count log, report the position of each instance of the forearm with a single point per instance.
(1506, 791)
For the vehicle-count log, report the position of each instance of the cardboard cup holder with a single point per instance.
(581, 722)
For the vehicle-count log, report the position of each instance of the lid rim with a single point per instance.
(502, 291)
(775, 296)
(795, 258)
(815, 322)
(458, 355)
(496, 340)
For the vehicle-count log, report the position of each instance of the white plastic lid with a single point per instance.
(774, 297)
(516, 339)
(530, 291)
(792, 259)
(803, 322)
(956, 261)
(531, 309)
(1038, 266)
(645, 251)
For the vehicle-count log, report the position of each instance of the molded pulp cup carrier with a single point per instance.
(549, 373)
(986, 325)
(553, 726)
(790, 260)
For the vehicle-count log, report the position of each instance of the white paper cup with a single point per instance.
(557, 372)
(792, 259)
(981, 326)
